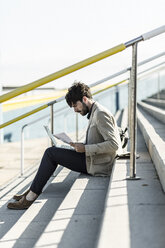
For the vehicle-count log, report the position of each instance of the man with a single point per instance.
(94, 157)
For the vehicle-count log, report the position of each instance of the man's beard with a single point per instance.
(85, 109)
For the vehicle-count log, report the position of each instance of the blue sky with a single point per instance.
(39, 37)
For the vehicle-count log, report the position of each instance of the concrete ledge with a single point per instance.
(154, 142)
(134, 212)
(155, 102)
(115, 231)
(154, 111)
(160, 94)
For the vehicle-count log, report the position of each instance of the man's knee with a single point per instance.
(49, 151)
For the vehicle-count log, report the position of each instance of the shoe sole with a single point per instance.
(17, 208)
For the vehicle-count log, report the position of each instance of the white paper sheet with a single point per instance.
(64, 137)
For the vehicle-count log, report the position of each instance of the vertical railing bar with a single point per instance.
(129, 101)
(133, 117)
(22, 150)
(133, 111)
(51, 120)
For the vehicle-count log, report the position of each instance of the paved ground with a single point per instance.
(10, 158)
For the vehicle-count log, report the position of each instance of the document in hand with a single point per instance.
(50, 135)
(63, 137)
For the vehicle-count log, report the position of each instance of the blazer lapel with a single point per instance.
(90, 119)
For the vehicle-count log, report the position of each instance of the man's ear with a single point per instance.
(85, 99)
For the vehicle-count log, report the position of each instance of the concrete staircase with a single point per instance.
(151, 120)
(159, 95)
(134, 210)
(79, 211)
(67, 214)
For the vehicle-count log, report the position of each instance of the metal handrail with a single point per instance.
(62, 72)
(62, 98)
(152, 68)
(92, 85)
(81, 64)
(133, 101)
(110, 86)
(33, 111)
(127, 69)
(91, 60)
(64, 109)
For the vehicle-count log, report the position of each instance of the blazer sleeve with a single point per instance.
(107, 128)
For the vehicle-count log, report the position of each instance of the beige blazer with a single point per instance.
(102, 141)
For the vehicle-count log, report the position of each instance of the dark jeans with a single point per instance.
(52, 157)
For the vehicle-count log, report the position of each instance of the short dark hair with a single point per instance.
(76, 92)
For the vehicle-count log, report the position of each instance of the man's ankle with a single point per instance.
(31, 196)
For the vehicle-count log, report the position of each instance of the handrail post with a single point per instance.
(22, 150)
(133, 117)
(129, 100)
(52, 120)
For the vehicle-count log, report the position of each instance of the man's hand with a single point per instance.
(79, 147)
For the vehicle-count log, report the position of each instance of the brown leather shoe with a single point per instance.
(21, 204)
(18, 197)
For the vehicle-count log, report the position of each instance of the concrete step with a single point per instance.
(16, 223)
(134, 209)
(77, 220)
(70, 206)
(154, 135)
(69, 213)
(154, 111)
(155, 102)
(159, 95)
